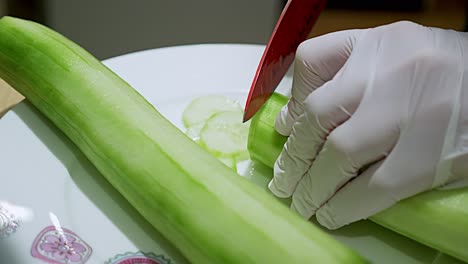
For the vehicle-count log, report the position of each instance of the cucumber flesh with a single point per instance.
(205, 209)
(224, 134)
(437, 218)
(202, 108)
(230, 162)
(193, 131)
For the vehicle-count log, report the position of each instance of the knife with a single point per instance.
(293, 27)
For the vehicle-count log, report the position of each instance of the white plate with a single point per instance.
(43, 172)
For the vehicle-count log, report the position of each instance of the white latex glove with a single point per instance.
(376, 116)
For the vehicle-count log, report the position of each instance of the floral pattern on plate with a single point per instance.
(60, 246)
(139, 258)
(8, 223)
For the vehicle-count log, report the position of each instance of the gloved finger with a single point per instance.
(360, 141)
(395, 178)
(376, 189)
(325, 109)
(317, 61)
(355, 201)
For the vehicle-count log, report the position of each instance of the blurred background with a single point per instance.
(109, 28)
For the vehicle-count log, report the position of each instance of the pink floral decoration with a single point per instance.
(60, 247)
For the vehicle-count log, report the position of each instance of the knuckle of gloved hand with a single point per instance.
(316, 109)
(294, 108)
(403, 25)
(338, 142)
(382, 184)
(396, 27)
(303, 53)
(308, 61)
(285, 119)
(397, 30)
(394, 188)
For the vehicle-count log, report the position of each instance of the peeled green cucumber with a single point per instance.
(205, 209)
(438, 218)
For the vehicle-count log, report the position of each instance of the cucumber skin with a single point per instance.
(437, 218)
(207, 211)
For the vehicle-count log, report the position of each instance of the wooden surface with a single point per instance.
(449, 14)
(8, 97)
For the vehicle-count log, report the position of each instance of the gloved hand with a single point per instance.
(376, 116)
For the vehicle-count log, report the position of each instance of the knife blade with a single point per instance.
(293, 27)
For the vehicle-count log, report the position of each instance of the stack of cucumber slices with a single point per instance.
(215, 122)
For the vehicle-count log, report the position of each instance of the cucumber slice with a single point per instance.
(242, 155)
(231, 161)
(193, 132)
(202, 108)
(224, 134)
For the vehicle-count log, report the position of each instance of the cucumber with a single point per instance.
(230, 162)
(193, 131)
(221, 131)
(437, 218)
(205, 209)
(202, 108)
(224, 134)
